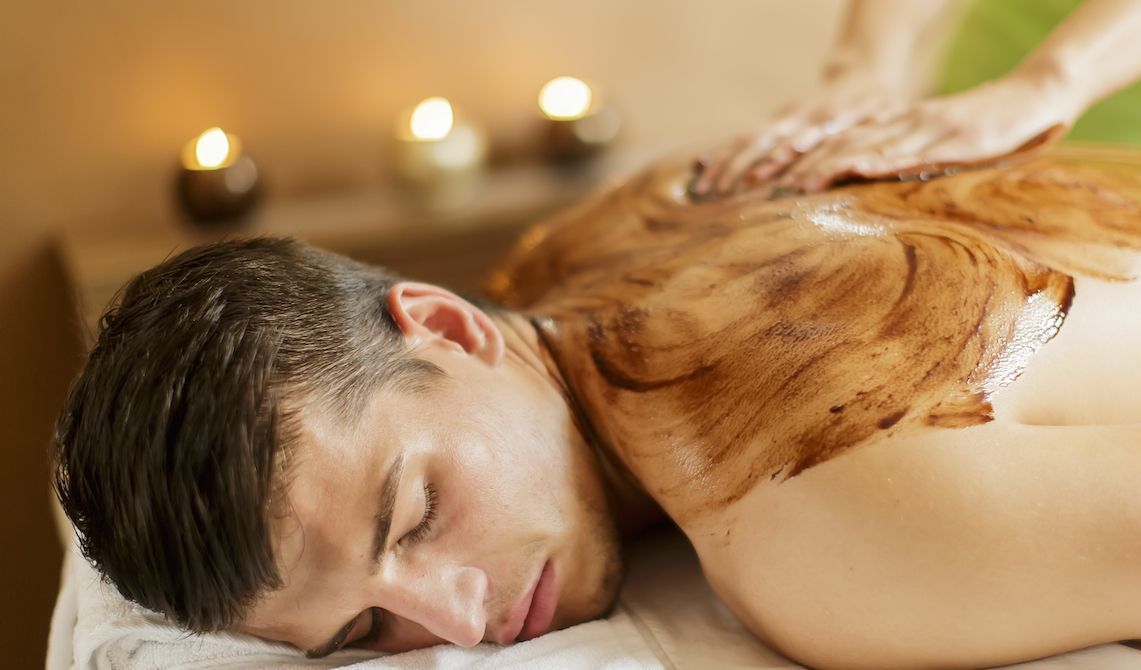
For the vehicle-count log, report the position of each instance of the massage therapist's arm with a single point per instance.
(1092, 54)
(866, 75)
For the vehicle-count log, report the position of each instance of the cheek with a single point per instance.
(507, 477)
(529, 466)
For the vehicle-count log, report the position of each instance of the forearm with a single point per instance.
(1093, 53)
(879, 38)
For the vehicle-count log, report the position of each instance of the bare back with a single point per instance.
(899, 422)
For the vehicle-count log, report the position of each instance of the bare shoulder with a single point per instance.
(941, 548)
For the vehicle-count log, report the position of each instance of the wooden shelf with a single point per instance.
(449, 242)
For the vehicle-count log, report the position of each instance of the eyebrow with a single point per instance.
(380, 541)
(384, 516)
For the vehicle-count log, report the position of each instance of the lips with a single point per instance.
(543, 603)
(532, 615)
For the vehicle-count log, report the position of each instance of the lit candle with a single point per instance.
(434, 143)
(217, 181)
(579, 122)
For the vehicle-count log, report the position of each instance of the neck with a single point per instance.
(633, 509)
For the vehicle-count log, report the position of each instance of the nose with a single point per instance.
(446, 600)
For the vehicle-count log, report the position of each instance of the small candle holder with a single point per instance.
(578, 121)
(437, 152)
(217, 182)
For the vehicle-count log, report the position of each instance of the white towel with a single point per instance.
(667, 617)
(111, 633)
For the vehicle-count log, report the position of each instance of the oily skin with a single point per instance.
(764, 337)
(888, 309)
(514, 484)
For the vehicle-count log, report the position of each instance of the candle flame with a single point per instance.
(432, 119)
(565, 98)
(212, 148)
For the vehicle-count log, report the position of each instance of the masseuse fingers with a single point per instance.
(722, 172)
(933, 151)
(950, 151)
(874, 147)
(839, 152)
(901, 154)
(706, 170)
(740, 162)
(924, 151)
(823, 125)
(744, 148)
(772, 162)
(711, 165)
(750, 161)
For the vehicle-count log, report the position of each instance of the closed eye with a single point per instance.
(415, 535)
(377, 617)
(421, 530)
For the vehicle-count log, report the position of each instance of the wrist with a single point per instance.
(849, 62)
(877, 64)
(1054, 82)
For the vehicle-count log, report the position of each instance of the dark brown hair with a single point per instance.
(171, 453)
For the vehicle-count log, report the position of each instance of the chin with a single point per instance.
(599, 600)
(590, 564)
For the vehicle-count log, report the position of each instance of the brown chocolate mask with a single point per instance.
(728, 342)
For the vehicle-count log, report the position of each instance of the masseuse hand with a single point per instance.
(852, 130)
(980, 126)
(867, 76)
(843, 102)
(877, 137)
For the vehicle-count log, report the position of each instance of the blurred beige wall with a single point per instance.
(97, 98)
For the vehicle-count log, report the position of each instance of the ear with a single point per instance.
(433, 315)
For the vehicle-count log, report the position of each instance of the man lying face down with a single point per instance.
(273, 437)
(887, 418)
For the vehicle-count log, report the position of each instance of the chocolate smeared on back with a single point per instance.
(725, 343)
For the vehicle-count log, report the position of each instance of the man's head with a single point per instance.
(255, 413)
